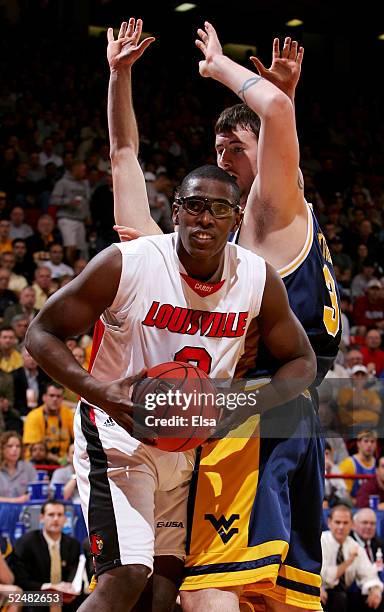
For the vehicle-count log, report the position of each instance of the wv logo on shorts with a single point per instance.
(109, 422)
(222, 525)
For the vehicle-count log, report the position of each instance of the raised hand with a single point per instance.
(284, 72)
(209, 44)
(127, 48)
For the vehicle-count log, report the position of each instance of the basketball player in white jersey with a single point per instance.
(126, 487)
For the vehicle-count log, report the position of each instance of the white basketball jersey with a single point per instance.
(160, 314)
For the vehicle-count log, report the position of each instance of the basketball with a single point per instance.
(180, 400)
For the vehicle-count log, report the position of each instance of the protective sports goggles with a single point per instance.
(217, 207)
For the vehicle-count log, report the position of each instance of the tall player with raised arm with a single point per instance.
(261, 152)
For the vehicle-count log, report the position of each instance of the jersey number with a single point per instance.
(195, 355)
(331, 316)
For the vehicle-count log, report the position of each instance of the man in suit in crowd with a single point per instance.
(364, 532)
(29, 384)
(47, 559)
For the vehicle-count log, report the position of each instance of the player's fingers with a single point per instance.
(203, 35)
(144, 44)
(258, 65)
(209, 27)
(200, 45)
(293, 50)
(131, 27)
(138, 30)
(275, 48)
(286, 48)
(123, 29)
(110, 36)
(300, 55)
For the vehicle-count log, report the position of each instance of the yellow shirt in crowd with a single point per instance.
(56, 430)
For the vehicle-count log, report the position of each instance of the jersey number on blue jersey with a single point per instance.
(331, 316)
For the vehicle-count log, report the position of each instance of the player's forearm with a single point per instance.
(260, 95)
(122, 124)
(58, 362)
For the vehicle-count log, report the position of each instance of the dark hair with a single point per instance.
(55, 502)
(53, 383)
(237, 116)
(328, 446)
(213, 173)
(342, 507)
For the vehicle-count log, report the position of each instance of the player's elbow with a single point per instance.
(32, 338)
(279, 107)
(121, 155)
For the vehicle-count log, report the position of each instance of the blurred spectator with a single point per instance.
(19, 324)
(346, 315)
(36, 170)
(55, 262)
(361, 280)
(352, 358)
(47, 559)
(102, 212)
(158, 191)
(10, 358)
(29, 383)
(10, 416)
(51, 422)
(66, 476)
(24, 265)
(25, 306)
(71, 195)
(7, 297)
(372, 353)
(341, 259)
(344, 562)
(362, 462)
(15, 474)
(17, 282)
(42, 286)
(5, 239)
(359, 406)
(7, 584)
(6, 386)
(45, 235)
(374, 486)
(48, 156)
(369, 308)
(4, 206)
(335, 491)
(364, 532)
(18, 228)
(39, 454)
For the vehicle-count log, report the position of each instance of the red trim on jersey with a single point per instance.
(92, 415)
(202, 289)
(98, 333)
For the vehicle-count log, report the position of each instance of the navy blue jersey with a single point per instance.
(313, 296)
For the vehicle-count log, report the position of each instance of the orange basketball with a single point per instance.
(180, 400)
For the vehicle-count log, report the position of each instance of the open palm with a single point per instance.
(127, 48)
(285, 69)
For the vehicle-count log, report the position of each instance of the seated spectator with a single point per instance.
(29, 384)
(345, 562)
(19, 324)
(374, 486)
(340, 258)
(51, 422)
(24, 265)
(7, 297)
(48, 155)
(39, 454)
(364, 532)
(17, 282)
(362, 462)
(9, 417)
(335, 490)
(15, 474)
(5, 239)
(45, 235)
(42, 286)
(353, 357)
(66, 476)
(6, 386)
(25, 306)
(372, 353)
(360, 281)
(10, 357)
(359, 406)
(47, 559)
(369, 308)
(19, 229)
(55, 263)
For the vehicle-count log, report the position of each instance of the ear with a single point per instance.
(175, 213)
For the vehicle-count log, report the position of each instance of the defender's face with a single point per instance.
(236, 153)
(203, 237)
